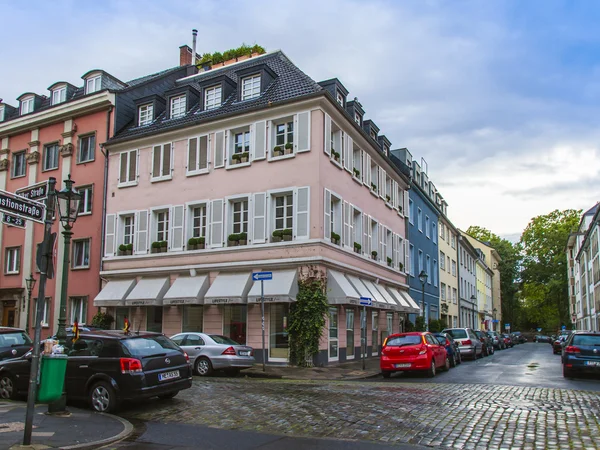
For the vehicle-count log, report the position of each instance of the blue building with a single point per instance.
(425, 204)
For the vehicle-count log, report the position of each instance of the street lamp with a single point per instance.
(68, 200)
(423, 280)
(494, 311)
(30, 284)
(474, 301)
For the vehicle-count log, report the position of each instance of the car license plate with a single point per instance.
(168, 375)
(402, 366)
(245, 353)
(592, 363)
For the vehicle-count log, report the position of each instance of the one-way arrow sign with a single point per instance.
(18, 206)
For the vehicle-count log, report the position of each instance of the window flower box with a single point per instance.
(125, 249)
(401, 267)
(243, 238)
(277, 236)
(387, 198)
(196, 243)
(233, 240)
(374, 255)
(335, 238)
(289, 148)
(244, 157)
(373, 187)
(287, 234)
(356, 173)
(159, 247)
(357, 247)
(335, 155)
(277, 151)
(163, 246)
(389, 261)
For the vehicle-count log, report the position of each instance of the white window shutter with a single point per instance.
(141, 232)
(302, 132)
(373, 238)
(382, 180)
(382, 235)
(216, 223)
(259, 218)
(252, 138)
(393, 193)
(406, 204)
(327, 218)
(396, 243)
(346, 221)
(327, 137)
(366, 234)
(260, 140)
(407, 261)
(176, 217)
(219, 149)
(203, 152)
(350, 226)
(110, 239)
(348, 150)
(301, 213)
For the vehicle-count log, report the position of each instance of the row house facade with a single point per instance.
(467, 284)
(447, 243)
(584, 271)
(58, 135)
(255, 167)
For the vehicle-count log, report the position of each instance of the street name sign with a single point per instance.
(18, 206)
(366, 301)
(261, 276)
(14, 221)
(38, 191)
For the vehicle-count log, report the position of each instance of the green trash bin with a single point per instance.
(52, 378)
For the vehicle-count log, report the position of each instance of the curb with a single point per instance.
(263, 375)
(128, 429)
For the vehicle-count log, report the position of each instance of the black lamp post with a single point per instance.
(474, 301)
(68, 200)
(494, 311)
(30, 284)
(423, 280)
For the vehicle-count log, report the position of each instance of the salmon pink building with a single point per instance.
(254, 167)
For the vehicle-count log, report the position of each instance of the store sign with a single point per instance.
(181, 301)
(140, 302)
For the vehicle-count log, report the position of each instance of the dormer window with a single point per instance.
(250, 87)
(1, 113)
(212, 97)
(357, 118)
(93, 84)
(340, 98)
(27, 105)
(178, 105)
(373, 135)
(146, 113)
(59, 95)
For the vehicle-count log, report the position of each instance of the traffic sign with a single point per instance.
(14, 221)
(44, 256)
(564, 327)
(22, 207)
(38, 191)
(507, 326)
(261, 276)
(366, 301)
(539, 329)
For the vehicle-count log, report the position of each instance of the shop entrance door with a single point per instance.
(8, 317)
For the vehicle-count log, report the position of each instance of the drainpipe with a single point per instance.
(104, 194)
(458, 241)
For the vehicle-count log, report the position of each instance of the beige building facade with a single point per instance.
(448, 272)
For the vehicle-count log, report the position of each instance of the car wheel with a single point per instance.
(431, 371)
(168, 396)
(386, 373)
(8, 390)
(492, 351)
(453, 362)
(103, 397)
(447, 364)
(203, 366)
(567, 373)
(458, 358)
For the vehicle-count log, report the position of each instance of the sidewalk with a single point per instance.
(345, 371)
(82, 429)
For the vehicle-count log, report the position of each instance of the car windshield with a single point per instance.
(14, 339)
(222, 339)
(457, 334)
(146, 346)
(401, 341)
(586, 339)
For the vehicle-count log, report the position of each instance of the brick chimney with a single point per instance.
(185, 55)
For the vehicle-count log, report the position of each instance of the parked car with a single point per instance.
(518, 338)
(451, 348)
(415, 351)
(557, 345)
(109, 367)
(14, 343)
(540, 338)
(210, 352)
(508, 340)
(497, 340)
(581, 353)
(468, 342)
(488, 345)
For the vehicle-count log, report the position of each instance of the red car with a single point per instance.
(417, 351)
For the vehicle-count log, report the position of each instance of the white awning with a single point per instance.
(229, 288)
(364, 291)
(187, 291)
(402, 303)
(282, 288)
(114, 293)
(148, 292)
(376, 295)
(339, 290)
(388, 297)
(413, 305)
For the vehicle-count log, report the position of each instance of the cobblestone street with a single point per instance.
(431, 414)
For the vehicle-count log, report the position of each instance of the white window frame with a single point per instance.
(27, 105)
(161, 177)
(249, 88)
(145, 114)
(177, 106)
(85, 192)
(190, 206)
(12, 260)
(411, 212)
(21, 154)
(56, 148)
(285, 121)
(213, 97)
(155, 221)
(231, 144)
(413, 261)
(339, 98)
(122, 226)
(197, 170)
(93, 84)
(61, 93)
(131, 155)
(336, 215)
(427, 230)
(230, 211)
(442, 260)
(420, 220)
(45, 312)
(357, 117)
(82, 301)
(357, 228)
(91, 150)
(82, 241)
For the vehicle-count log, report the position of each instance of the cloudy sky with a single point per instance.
(501, 98)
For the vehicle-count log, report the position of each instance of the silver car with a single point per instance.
(468, 342)
(210, 352)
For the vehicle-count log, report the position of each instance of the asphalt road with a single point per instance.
(527, 365)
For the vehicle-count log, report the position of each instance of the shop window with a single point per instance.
(278, 334)
(235, 322)
(154, 319)
(193, 316)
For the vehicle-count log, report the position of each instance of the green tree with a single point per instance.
(544, 276)
(508, 267)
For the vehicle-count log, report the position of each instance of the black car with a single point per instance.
(581, 353)
(488, 343)
(14, 343)
(518, 338)
(451, 348)
(107, 368)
